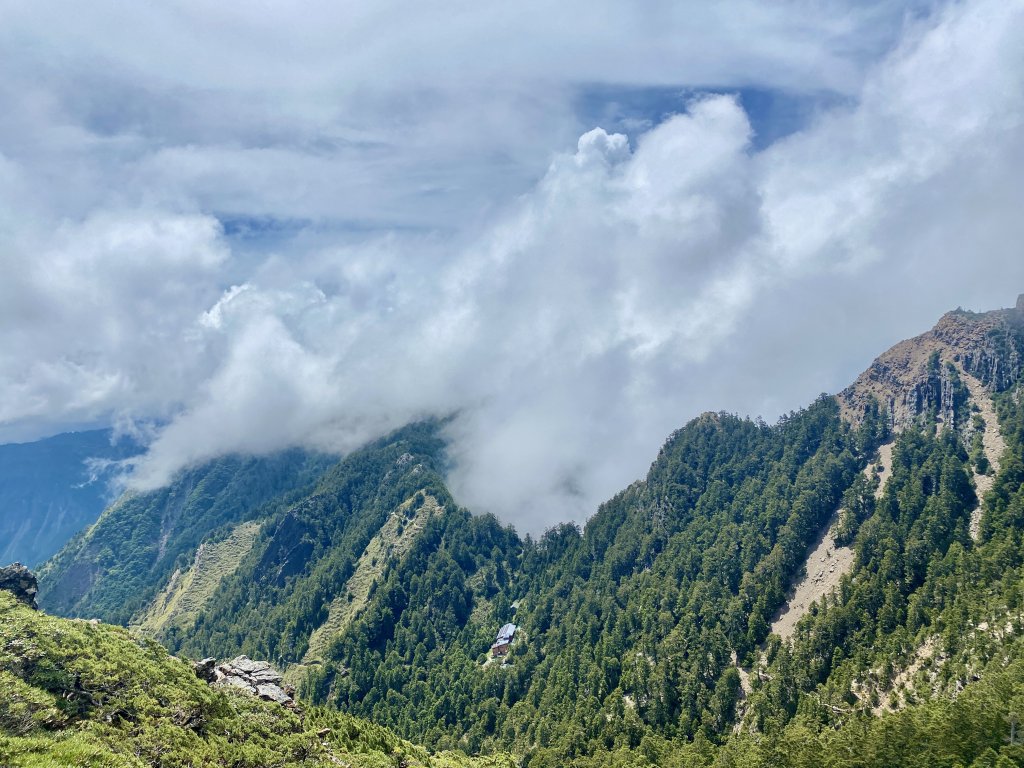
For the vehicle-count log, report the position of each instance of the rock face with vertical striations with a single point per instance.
(920, 376)
(20, 581)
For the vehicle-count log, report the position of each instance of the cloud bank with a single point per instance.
(426, 253)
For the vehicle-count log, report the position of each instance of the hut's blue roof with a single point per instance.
(505, 634)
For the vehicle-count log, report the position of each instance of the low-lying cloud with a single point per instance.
(571, 326)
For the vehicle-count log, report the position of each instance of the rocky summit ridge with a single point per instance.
(919, 376)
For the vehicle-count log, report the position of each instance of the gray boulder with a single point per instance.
(21, 582)
(206, 670)
(257, 678)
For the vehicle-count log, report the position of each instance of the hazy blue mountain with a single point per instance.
(50, 489)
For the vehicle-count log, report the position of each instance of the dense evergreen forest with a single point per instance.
(634, 631)
(629, 627)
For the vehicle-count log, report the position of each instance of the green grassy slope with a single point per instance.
(74, 693)
(179, 603)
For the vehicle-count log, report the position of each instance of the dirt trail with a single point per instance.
(992, 442)
(826, 563)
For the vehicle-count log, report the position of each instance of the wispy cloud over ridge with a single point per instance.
(571, 317)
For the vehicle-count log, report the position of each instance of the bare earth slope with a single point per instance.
(993, 444)
(826, 563)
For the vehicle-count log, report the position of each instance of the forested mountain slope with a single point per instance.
(307, 558)
(625, 629)
(115, 567)
(51, 489)
(646, 636)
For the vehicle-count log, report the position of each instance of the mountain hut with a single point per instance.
(504, 640)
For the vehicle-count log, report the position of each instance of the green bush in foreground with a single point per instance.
(73, 693)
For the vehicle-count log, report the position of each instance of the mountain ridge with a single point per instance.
(902, 379)
(653, 621)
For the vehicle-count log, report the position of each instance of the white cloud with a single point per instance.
(571, 317)
(387, 113)
(93, 315)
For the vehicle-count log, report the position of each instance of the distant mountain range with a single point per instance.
(861, 561)
(51, 489)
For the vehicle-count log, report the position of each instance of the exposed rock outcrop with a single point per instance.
(257, 678)
(915, 379)
(206, 670)
(20, 581)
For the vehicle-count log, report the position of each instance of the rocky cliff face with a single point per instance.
(921, 377)
(21, 582)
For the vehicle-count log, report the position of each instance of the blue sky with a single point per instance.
(774, 113)
(617, 108)
(577, 227)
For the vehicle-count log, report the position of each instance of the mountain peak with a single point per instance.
(916, 377)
